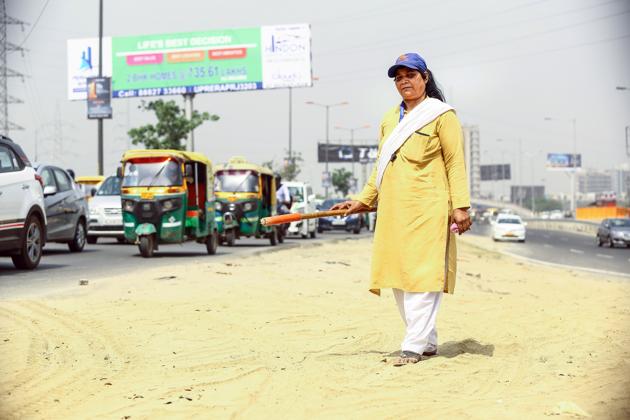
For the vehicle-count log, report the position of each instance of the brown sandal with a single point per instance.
(407, 358)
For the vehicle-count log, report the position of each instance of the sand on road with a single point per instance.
(296, 334)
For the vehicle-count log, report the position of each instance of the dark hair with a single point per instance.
(432, 89)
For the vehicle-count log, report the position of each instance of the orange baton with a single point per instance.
(296, 217)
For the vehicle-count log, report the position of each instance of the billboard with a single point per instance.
(563, 161)
(99, 97)
(495, 172)
(83, 63)
(340, 153)
(264, 57)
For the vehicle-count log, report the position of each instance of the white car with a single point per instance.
(22, 211)
(303, 202)
(509, 227)
(106, 212)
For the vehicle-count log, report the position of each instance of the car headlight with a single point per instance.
(248, 206)
(94, 211)
(217, 206)
(128, 205)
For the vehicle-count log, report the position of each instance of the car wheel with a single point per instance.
(599, 241)
(230, 237)
(92, 240)
(78, 242)
(273, 236)
(146, 246)
(357, 230)
(212, 243)
(319, 230)
(313, 234)
(31, 248)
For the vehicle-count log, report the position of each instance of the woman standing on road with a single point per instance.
(420, 186)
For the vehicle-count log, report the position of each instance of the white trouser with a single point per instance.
(419, 312)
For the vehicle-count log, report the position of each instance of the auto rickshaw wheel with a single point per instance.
(146, 246)
(212, 243)
(273, 236)
(230, 237)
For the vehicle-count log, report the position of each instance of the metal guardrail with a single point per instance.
(574, 226)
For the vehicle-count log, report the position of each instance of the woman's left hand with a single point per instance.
(462, 220)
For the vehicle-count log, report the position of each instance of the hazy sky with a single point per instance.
(504, 65)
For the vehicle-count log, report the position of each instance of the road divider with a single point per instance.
(571, 226)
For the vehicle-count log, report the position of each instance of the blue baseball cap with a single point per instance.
(409, 60)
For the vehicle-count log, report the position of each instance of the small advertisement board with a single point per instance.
(99, 97)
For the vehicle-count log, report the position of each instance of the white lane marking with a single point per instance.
(610, 257)
(576, 251)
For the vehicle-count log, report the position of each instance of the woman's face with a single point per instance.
(410, 84)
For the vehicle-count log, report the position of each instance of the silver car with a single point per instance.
(106, 212)
(66, 208)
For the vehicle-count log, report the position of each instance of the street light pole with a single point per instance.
(100, 74)
(520, 168)
(352, 130)
(327, 106)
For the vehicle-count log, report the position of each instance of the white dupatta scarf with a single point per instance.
(421, 115)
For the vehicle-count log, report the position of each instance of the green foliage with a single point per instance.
(290, 170)
(342, 181)
(543, 204)
(172, 126)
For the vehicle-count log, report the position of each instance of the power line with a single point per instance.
(527, 36)
(35, 23)
(468, 64)
(397, 39)
(476, 31)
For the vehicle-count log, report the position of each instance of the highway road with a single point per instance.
(60, 268)
(565, 248)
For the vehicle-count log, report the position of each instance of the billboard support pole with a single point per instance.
(290, 125)
(100, 74)
(573, 200)
(188, 110)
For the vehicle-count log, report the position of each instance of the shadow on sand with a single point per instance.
(452, 349)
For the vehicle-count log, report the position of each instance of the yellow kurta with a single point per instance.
(413, 247)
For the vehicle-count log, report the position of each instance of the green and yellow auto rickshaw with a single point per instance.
(167, 198)
(245, 193)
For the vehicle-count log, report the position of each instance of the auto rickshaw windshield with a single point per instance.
(152, 173)
(236, 181)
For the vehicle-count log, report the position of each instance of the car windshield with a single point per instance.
(151, 173)
(620, 222)
(331, 202)
(236, 181)
(111, 186)
(297, 194)
(509, 221)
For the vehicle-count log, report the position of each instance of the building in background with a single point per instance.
(472, 155)
(620, 178)
(593, 181)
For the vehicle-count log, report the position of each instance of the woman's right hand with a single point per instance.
(351, 206)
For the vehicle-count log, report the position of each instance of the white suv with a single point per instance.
(22, 216)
